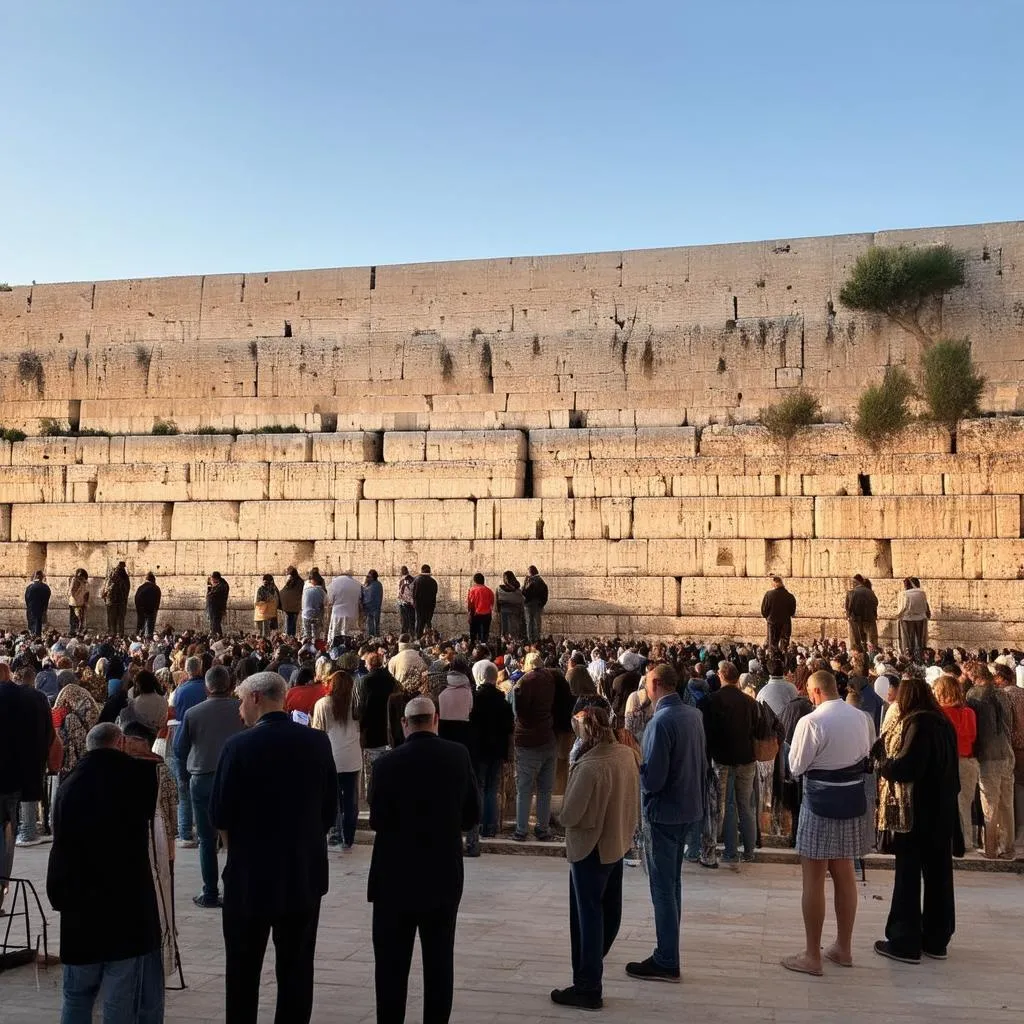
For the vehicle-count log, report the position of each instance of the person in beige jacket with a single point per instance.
(599, 811)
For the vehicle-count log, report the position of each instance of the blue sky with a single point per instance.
(141, 139)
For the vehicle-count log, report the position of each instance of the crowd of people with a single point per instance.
(257, 749)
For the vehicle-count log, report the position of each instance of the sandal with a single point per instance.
(801, 965)
(832, 955)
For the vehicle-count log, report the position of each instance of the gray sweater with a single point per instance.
(205, 730)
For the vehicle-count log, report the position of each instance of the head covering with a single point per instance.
(480, 671)
(932, 673)
(419, 706)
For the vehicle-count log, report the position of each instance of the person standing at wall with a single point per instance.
(424, 599)
(480, 605)
(535, 597)
(778, 608)
(862, 614)
(37, 603)
(314, 600)
(509, 598)
(424, 798)
(38, 740)
(493, 723)
(343, 597)
(912, 616)
(372, 601)
(78, 602)
(217, 591)
(190, 693)
(265, 605)
(290, 598)
(147, 604)
(115, 593)
(406, 609)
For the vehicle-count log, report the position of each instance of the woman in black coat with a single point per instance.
(921, 752)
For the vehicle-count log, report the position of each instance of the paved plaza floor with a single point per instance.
(513, 948)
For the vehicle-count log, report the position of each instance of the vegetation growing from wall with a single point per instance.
(883, 411)
(950, 383)
(785, 419)
(899, 282)
(165, 427)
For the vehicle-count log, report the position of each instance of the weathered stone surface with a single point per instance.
(109, 522)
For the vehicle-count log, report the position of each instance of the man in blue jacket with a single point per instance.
(672, 791)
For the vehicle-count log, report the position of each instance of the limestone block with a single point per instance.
(723, 557)
(28, 484)
(206, 520)
(845, 557)
(142, 482)
(598, 518)
(559, 445)
(365, 520)
(627, 557)
(5, 453)
(577, 558)
(765, 557)
(178, 448)
(982, 559)
(526, 519)
(468, 445)
(285, 520)
(405, 446)
(60, 451)
(332, 557)
(231, 481)
(917, 517)
(597, 595)
(723, 517)
(304, 480)
(109, 522)
(480, 479)
(272, 448)
(673, 557)
(347, 446)
(274, 556)
(427, 519)
(22, 560)
(201, 557)
(822, 439)
(987, 436)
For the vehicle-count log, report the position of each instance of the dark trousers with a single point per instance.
(215, 617)
(779, 631)
(115, 618)
(35, 618)
(245, 943)
(595, 911)
(407, 615)
(394, 932)
(290, 621)
(146, 623)
(488, 781)
(479, 628)
(76, 621)
(348, 807)
(909, 929)
(424, 620)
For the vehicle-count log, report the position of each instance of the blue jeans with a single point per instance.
(533, 614)
(373, 622)
(290, 620)
(595, 911)
(132, 990)
(488, 779)
(200, 788)
(348, 807)
(185, 821)
(28, 823)
(736, 793)
(535, 769)
(8, 829)
(665, 844)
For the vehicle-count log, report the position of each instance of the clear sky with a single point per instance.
(201, 136)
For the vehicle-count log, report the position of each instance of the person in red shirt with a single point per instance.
(480, 604)
(950, 695)
(303, 693)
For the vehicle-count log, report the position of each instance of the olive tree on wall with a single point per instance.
(900, 282)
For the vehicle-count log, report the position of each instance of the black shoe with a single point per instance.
(573, 997)
(935, 954)
(207, 903)
(648, 970)
(473, 851)
(885, 949)
(545, 837)
(519, 837)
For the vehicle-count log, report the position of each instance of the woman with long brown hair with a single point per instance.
(334, 714)
(917, 809)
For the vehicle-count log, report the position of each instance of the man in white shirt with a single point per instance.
(597, 668)
(778, 691)
(343, 596)
(829, 750)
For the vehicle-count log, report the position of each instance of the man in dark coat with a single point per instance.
(424, 599)
(535, 597)
(275, 796)
(147, 604)
(778, 608)
(424, 798)
(862, 614)
(37, 603)
(36, 745)
(217, 590)
(99, 878)
(115, 592)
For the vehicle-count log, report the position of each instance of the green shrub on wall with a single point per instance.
(883, 411)
(786, 418)
(950, 384)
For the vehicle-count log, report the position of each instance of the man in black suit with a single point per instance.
(424, 797)
(275, 795)
(424, 600)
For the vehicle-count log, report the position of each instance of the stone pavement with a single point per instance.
(513, 947)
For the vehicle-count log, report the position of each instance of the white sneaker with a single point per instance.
(187, 844)
(29, 842)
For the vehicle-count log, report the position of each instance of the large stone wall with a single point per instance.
(488, 415)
